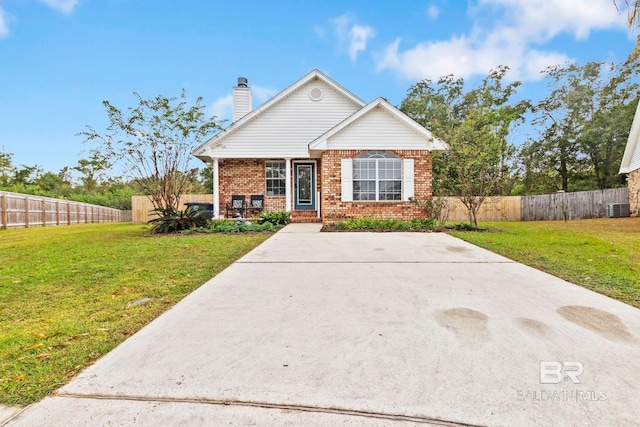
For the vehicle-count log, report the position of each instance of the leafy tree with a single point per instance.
(92, 170)
(582, 127)
(27, 175)
(6, 168)
(206, 178)
(56, 184)
(476, 125)
(153, 142)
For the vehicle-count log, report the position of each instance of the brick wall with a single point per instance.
(335, 210)
(245, 176)
(634, 192)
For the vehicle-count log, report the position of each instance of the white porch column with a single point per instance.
(216, 189)
(287, 200)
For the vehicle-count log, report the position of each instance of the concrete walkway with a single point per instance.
(368, 329)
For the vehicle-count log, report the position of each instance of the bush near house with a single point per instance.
(171, 220)
(375, 224)
(231, 226)
(275, 218)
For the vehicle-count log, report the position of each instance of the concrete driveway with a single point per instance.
(368, 329)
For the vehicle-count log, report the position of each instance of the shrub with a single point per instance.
(172, 220)
(275, 218)
(229, 226)
(463, 226)
(369, 223)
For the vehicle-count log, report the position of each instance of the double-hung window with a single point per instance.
(377, 176)
(275, 177)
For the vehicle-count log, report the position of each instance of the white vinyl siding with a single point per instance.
(286, 129)
(347, 180)
(377, 130)
(635, 159)
(241, 102)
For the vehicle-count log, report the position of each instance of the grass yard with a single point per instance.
(599, 254)
(67, 294)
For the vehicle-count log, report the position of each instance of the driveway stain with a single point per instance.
(456, 249)
(467, 325)
(535, 328)
(601, 322)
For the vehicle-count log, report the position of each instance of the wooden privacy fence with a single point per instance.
(578, 205)
(493, 209)
(141, 206)
(23, 210)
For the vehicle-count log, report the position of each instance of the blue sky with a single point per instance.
(59, 59)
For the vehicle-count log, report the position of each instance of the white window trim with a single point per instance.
(266, 179)
(407, 181)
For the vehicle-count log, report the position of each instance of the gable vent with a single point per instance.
(315, 94)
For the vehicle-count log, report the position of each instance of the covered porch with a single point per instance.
(289, 184)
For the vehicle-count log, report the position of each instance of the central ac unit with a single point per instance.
(618, 210)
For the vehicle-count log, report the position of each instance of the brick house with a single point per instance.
(631, 164)
(323, 154)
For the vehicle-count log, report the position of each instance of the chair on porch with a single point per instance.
(238, 205)
(256, 205)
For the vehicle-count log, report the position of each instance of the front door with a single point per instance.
(304, 186)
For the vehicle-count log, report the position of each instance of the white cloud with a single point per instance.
(260, 94)
(544, 19)
(64, 6)
(352, 38)
(4, 28)
(433, 12)
(222, 107)
(504, 32)
(358, 36)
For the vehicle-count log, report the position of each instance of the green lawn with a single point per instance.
(67, 294)
(600, 254)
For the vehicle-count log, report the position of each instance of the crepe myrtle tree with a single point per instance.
(476, 124)
(153, 142)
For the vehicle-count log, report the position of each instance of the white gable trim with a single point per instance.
(434, 144)
(203, 151)
(633, 148)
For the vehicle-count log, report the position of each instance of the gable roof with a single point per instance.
(631, 157)
(202, 151)
(320, 143)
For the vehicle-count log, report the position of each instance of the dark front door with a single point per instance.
(304, 186)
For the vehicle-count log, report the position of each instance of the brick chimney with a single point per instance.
(241, 99)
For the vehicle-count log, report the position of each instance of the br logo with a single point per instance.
(555, 372)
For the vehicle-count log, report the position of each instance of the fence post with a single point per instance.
(3, 206)
(26, 212)
(68, 213)
(44, 212)
(57, 212)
